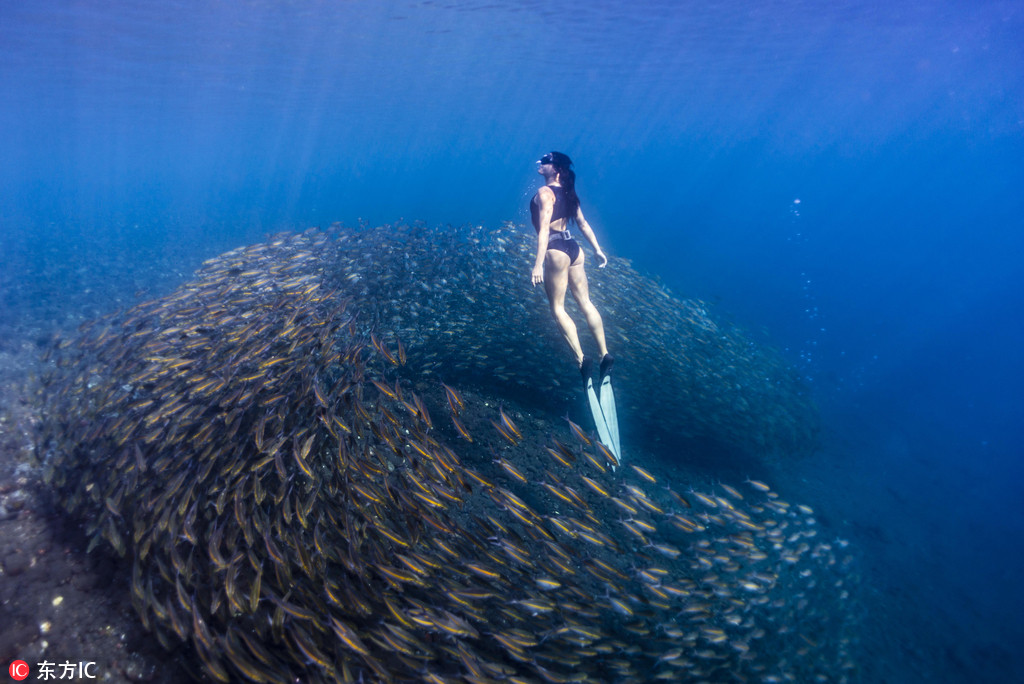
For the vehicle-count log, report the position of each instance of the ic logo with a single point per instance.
(19, 670)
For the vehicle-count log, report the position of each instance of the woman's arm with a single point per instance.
(588, 233)
(543, 205)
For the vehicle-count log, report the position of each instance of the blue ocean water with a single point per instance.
(842, 178)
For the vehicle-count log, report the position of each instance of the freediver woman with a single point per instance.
(560, 259)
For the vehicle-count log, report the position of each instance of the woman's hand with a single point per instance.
(538, 275)
(602, 257)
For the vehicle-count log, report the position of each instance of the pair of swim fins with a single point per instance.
(602, 404)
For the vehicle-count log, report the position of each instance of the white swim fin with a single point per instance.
(599, 418)
(611, 418)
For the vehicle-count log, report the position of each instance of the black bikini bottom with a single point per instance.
(570, 247)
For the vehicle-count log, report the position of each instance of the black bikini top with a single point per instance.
(559, 211)
(561, 208)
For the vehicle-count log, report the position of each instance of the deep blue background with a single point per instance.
(844, 179)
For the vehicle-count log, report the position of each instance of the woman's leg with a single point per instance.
(581, 292)
(556, 277)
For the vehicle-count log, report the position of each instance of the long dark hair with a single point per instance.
(567, 179)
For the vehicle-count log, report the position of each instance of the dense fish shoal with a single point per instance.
(461, 297)
(301, 497)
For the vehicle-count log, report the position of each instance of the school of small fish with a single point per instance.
(303, 499)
